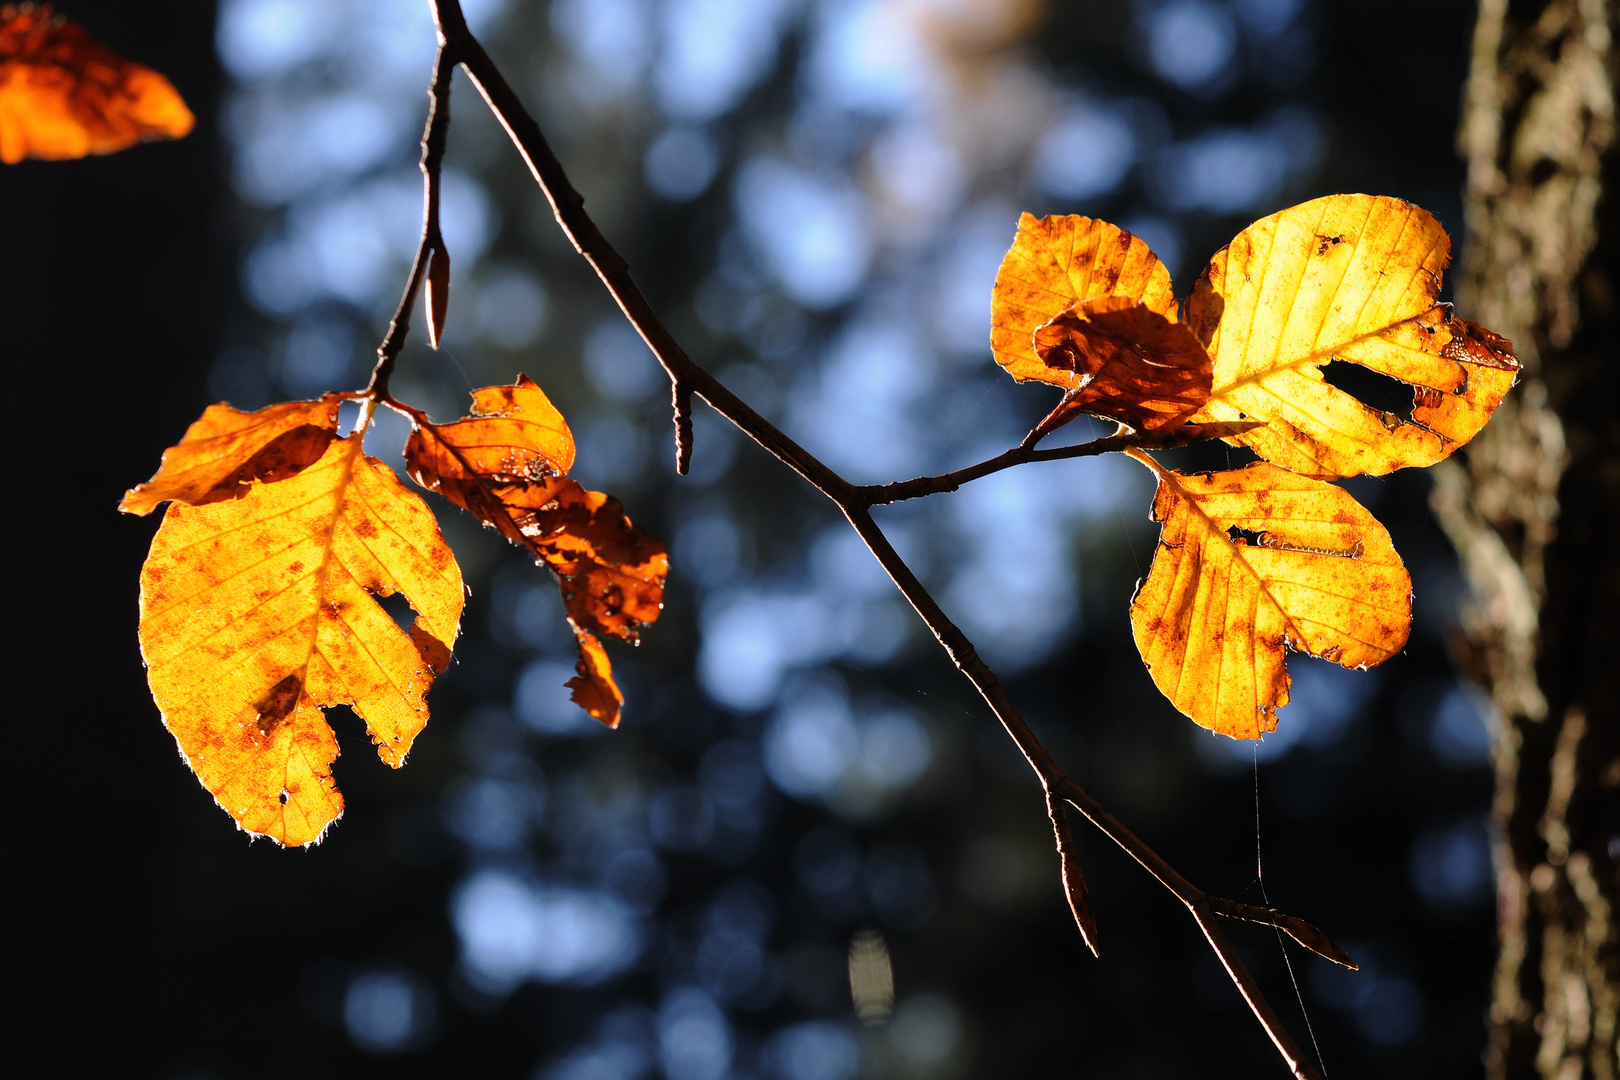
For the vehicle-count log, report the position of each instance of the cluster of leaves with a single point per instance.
(261, 596)
(62, 95)
(1253, 562)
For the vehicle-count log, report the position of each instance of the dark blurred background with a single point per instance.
(816, 195)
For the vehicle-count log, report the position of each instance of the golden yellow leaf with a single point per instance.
(258, 612)
(1055, 263)
(1315, 573)
(504, 464)
(227, 449)
(1133, 365)
(64, 96)
(1350, 278)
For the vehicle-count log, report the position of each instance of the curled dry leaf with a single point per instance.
(1055, 263)
(227, 449)
(514, 435)
(1251, 563)
(258, 612)
(1130, 363)
(62, 95)
(1350, 278)
(593, 688)
(504, 464)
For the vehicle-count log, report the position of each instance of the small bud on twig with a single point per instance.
(1298, 929)
(436, 297)
(1074, 883)
(683, 428)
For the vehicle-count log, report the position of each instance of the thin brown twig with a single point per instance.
(568, 207)
(435, 137)
(1025, 452)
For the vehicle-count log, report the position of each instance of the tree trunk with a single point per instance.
(1533, 507)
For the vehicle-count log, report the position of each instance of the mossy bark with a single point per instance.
(1533, 507)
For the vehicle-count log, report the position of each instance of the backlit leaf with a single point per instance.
(1350, 278)
(62, 95)
(258, 612)
(593, 688)
(227, 449)
(1133, 364)
(1055, 263)
(504, 464)
(1251, 563)
(612, 572)
(514, 435)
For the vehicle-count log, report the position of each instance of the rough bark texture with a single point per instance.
(1533, 507)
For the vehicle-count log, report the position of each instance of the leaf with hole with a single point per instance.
(1252, 563)
(63, 96)
(1353, 279)
(260, 611)
(504, 463)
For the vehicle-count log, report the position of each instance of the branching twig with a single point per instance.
(686, 377)
(1025, 452)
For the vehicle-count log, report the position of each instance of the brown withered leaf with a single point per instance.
(1055, 263)
(62, 95)
(593, 688)
(1351, 278)
(612, 573)
(1251, 563)
(227, 449)
(514, 435)
(1132, 364)
(258, 612)
(504, 464)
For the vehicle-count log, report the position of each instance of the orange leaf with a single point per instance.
(258, 612)
(227, 449)
(514, 435)
(1055, 263)
(62, 95)
(504, 465)
(594, 688)
(1251, 563)
(1133, 364)
(612, 572)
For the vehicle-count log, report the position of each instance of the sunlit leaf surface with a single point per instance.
(227, 449)
(1351, 278)
(1054, 264)
(1251, 563)
(259, 611)
(504, 463)
(62, 95)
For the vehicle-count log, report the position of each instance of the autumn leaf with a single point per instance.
(1351, 278)
(62, 95)
(505, 464)
(1056, 263)
(1132, 364)
(258, 612)
(1251, 563)
(227, 449)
